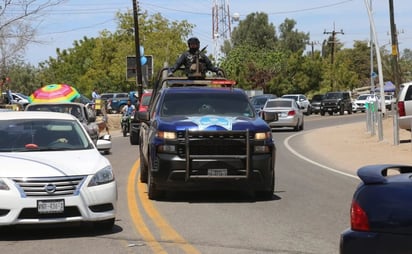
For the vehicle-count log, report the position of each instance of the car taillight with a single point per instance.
(401, 108)
(358, 218)
(291, 113)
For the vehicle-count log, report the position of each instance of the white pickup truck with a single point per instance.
(405, 106)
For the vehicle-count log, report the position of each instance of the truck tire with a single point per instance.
(342, 110)
(134, 137)
(152, 192)
(143, 168)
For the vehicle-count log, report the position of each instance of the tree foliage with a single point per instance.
(255, 57)
(101, 62)
(17, 27)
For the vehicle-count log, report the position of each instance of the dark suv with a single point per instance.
(315, 102)
(336, 102)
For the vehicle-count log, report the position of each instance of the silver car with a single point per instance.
(289, 113)
(302, 101)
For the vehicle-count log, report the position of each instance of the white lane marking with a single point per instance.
(286, 144)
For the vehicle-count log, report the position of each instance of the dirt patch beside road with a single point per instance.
(351, 146)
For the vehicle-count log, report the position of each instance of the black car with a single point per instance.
(336, 102)
(258, 101)
(316, 102)
(381, 212)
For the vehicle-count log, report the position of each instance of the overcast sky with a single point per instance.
(71, 21)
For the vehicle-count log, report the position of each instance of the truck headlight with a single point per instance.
(263, 135)
(166, 135)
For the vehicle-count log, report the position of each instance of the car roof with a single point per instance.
(57, 103)
(35, 115)
(268, 95)
(281, 99)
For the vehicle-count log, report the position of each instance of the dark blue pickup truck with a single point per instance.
(204, 134)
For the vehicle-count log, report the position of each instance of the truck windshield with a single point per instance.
(192, 104)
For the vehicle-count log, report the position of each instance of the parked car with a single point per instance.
(336, 102)
(15, 98)
(258, 101)
(52, 172)
(115, 101)
(380, 214)
(361, 102)
(302, 101)
(405, 106)
(315, 103)
(389, 101)
(289, 113)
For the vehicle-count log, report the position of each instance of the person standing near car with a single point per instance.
(95, 94)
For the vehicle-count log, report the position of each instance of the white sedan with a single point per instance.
(52, 172)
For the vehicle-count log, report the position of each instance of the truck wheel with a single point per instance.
(143, 168)
(350, 110)
(342, 111)
(322, 113)
(268, 194)
(134, 137)
(152, 192)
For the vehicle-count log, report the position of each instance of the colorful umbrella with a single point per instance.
(54, 93)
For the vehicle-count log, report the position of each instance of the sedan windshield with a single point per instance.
(42, 135)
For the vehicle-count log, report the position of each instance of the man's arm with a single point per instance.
(209, 64)
(179, 62)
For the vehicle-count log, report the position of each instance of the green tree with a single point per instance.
(255, 31)
(290, 38)
(101, 62)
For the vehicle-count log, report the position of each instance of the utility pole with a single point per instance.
(139, 78)
(395, 55)
(312, 44)
(333, 42)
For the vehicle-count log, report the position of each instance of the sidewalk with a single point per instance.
(357, 147)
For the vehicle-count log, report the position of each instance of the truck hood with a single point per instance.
(212, 123)
(50, 164)
(330, 100)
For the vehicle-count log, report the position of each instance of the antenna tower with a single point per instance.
(221, 25)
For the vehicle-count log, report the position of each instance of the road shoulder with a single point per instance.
(350, 146)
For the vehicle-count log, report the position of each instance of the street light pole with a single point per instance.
(139, 78)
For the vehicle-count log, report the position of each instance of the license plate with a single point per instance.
(217, 172)
(50, 206)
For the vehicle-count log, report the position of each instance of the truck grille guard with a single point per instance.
(200, 145)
